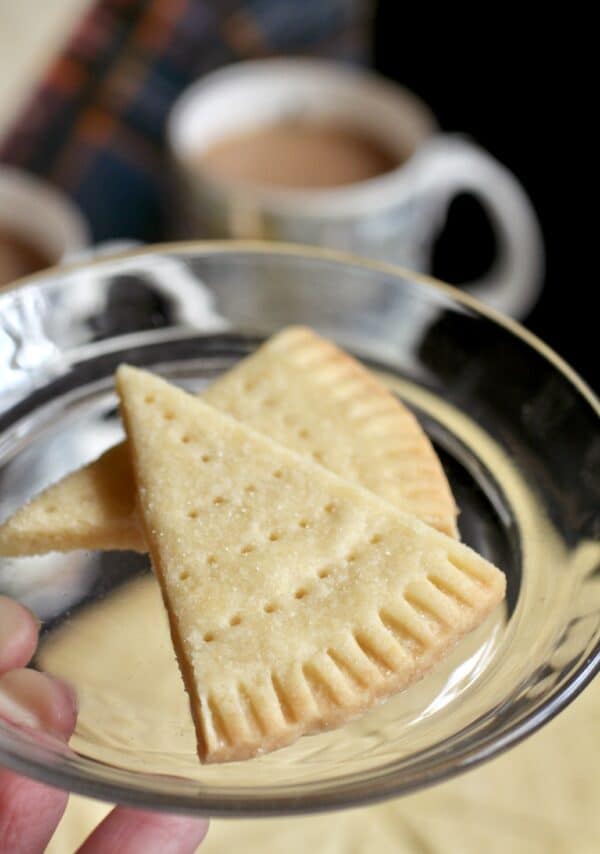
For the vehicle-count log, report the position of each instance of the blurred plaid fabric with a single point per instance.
(95, 127)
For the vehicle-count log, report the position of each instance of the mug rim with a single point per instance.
(66, 227)
(344, 201)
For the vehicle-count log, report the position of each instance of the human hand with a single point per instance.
(30, 811)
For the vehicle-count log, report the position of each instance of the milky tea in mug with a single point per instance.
(308, 151)
(300, 154)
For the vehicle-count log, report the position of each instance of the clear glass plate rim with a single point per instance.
(246, 803)
(306, 252)
(389, 784)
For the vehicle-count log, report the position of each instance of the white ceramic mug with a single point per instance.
(41, 216)
(394, 216)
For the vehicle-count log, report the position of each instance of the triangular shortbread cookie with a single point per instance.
(312, 397)
(304, 393)
(295, 599)
(93, 508)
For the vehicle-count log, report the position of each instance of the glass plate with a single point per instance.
(517, 432)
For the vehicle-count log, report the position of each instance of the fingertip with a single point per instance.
(37, 701)
(65, 706)
(18, 634)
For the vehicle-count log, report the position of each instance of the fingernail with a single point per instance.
(11, 619)
(69, 692)
(35, 700)
(18, 634)
(12, 709)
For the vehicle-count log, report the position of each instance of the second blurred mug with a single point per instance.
(392, 216)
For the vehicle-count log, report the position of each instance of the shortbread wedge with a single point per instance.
(295, 599)
(301, 391)
(93, 508)
(312, 397)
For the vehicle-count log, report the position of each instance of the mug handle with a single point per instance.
(513, 284)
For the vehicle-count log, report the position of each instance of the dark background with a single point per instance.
(519, 87)
(520, 82)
